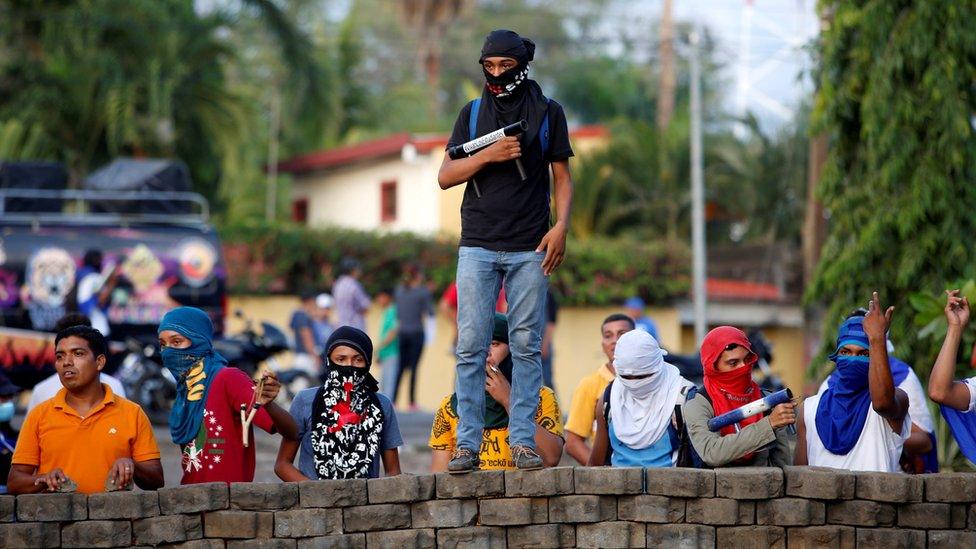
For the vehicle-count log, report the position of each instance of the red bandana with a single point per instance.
(729, 390)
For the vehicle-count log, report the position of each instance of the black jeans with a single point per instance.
(411, 346)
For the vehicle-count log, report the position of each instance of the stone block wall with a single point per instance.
(561, 507)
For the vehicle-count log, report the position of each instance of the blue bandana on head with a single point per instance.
(193, 367)
(843, 407)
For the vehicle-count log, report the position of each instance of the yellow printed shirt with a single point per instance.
(495, 453)
(582, 407)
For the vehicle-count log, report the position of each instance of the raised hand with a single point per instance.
(956, 309)
(497, 386)
(269, 389)
(876, 323)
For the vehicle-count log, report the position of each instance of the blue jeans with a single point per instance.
(480, 273)
(391, 371)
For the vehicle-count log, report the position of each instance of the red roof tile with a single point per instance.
(391, 146)
(740, 290)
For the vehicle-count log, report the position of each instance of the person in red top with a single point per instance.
(449, 306)
(206, 417)
(758, 440)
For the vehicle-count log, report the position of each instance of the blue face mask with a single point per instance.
(6, 411)
(851, 375)
(179, 361)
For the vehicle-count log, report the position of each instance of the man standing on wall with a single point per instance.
(506, 235)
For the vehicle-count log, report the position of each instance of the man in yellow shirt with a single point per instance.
(85, 433)
(582, 409)
(495, 452)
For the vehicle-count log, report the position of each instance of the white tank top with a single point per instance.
(877, 449)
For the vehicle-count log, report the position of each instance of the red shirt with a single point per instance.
(450, 297)
(218, 454)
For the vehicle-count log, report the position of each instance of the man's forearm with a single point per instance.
(549, 445)
(283, 422)
(577, 448)
(455, 172)
(880, 384)
(562, 183)
(21, 482)
(148, 475)
(944, 370)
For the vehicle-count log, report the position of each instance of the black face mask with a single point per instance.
(348, 371)
(358, 376)
(508, 82)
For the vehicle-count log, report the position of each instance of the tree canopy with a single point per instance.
(897, 101)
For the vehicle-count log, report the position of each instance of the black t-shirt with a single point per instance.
(512, 215)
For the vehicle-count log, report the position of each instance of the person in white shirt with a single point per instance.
(861, 421)
(49, 387)
(919, 452)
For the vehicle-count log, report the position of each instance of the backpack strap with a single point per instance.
(693, 391)
(473, 119)
(606, 403)
(544, 131)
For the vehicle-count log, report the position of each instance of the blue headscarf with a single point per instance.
(899, 370)
(194, 368)
(843, 407)
(930, 460)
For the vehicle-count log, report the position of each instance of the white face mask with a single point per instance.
(640, 388)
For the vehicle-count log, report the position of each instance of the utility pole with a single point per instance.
(271, 199)
(667, 79)
(697, 193)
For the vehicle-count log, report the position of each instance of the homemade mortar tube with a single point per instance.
(760, 406)
(478, 143)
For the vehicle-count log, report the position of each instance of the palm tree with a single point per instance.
(429, 21)
(146, 77)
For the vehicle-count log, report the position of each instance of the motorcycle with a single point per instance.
(145, 380)
(248, 349)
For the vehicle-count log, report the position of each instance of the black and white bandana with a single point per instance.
(347, 422)
(505, 83)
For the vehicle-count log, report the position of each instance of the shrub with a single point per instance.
(287, 258)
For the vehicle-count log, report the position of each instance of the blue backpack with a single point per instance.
(543, 131)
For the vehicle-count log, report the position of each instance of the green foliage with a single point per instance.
(896, 98)
(930, 321)
(94, 80)
(639, 184)
(759, 182)
(19, 142)
(289, 258)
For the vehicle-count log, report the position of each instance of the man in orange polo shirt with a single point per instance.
(85, 433)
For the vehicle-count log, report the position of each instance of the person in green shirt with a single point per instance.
(388, 354)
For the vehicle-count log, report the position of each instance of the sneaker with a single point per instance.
(463, 461)
(526, 458)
